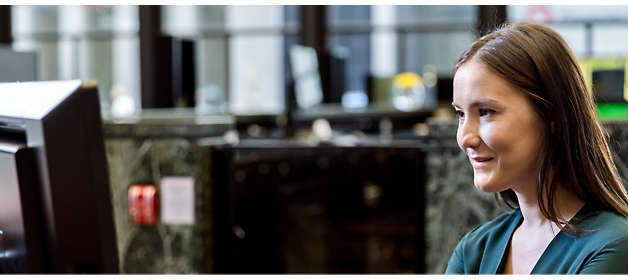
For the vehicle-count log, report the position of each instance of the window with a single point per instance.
(240, 57)
(241, 51)
(83, 42)
(590, 31)
(434, 35)
(350, 36)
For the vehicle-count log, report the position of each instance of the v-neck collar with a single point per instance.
(584, 212)
(504, 246)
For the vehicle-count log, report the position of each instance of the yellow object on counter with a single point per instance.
(406, 80)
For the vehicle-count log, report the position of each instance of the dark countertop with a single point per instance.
(182, 122)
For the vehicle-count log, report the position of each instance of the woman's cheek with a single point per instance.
(486, 133)
(458, 138)
(493, 135)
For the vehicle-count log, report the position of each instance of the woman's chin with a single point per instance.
(486, 187)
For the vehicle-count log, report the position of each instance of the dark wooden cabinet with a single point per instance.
(319, 210)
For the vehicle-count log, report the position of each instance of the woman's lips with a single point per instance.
(479, 162)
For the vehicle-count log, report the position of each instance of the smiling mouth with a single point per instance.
(479, 162)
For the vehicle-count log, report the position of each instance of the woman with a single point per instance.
(528, 124)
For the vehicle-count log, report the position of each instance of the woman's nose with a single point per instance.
(468, 136)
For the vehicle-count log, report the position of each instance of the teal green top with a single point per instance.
(602, 248)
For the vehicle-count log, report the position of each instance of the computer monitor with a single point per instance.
(56, 213)
(608, 86)
(17, 66)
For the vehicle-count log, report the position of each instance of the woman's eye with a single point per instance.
(459, 114)
(486, 112)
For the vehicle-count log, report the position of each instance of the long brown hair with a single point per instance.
(537, 60)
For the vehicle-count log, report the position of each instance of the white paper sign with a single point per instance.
(177, 200)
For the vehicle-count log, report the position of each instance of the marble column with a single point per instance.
(144, 149)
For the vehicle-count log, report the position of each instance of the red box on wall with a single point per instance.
(143, 204)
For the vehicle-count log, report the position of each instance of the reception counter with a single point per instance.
(160, 143)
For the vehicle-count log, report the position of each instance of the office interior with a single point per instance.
(279, 139)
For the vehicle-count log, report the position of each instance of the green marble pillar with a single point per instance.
(454, 205)
(142, 150)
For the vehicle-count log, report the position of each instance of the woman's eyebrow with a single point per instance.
(477, 103)
(481, 101)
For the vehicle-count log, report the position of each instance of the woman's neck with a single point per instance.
(565, 203)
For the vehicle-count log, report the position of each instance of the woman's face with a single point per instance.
(498, 129)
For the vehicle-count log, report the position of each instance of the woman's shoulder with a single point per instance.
(603, 243)
(483, 245)
(604, 225)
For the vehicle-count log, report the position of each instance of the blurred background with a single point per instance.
(319, 139)
(240, 54)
